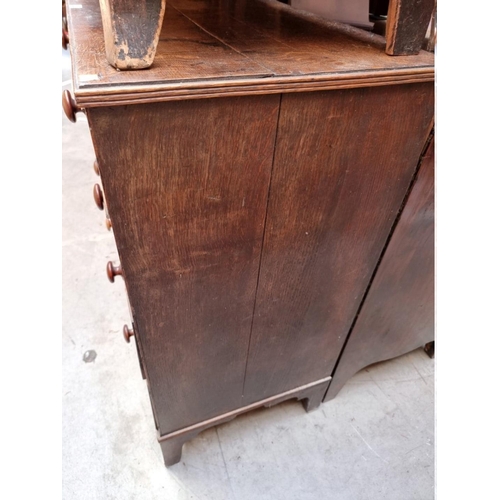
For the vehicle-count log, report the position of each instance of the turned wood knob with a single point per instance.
(98, 197)
(96, 168)
(113, 271)
(65, 39)
(69, 106)
(108, 224)
(127, 333)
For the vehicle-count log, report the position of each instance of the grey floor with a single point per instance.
(374, 441)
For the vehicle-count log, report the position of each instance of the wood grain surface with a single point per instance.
(343, 165)
(211, 48)
(249, 227)
(131, 30)
(187, 197)
(398, 313)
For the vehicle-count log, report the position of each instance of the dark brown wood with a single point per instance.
(253, 175)
(98, 196)
(310, 395)
(407, 23)
(332, 204)
(131, 31)
(69, 106)
(64, 23)
(65, 39)
(172, 448)
(398, 313)
(379, 27)
(431, 35)
(262, 87)
(209, 49)
(141, 364)
(127, 333)
(112, 271)
(188, 218)
(429, 349)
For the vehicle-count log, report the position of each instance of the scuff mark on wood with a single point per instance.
(131, 31)
(407, 23)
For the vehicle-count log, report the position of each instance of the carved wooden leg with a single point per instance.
(343, 373)
(407, 23)
(312, 402)
(172, 449)
(131, 31)
(314, 396)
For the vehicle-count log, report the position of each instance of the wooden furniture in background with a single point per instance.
(252, 176)
(132, 28)
(407, 23)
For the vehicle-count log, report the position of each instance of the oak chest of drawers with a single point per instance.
(252, 178)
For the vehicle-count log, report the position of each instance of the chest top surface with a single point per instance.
(210, 48)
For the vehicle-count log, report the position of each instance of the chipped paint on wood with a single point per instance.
(131, 31)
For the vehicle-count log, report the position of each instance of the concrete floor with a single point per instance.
(374, 441)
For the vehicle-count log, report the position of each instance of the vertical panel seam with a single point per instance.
(262, 245)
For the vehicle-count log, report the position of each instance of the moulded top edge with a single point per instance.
(253, 43)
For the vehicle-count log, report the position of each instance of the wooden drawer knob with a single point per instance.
(98, 197)
(127, 333)
(69, 106)
(108, 224)
(65, 39)
(96, 168)
(113, 271)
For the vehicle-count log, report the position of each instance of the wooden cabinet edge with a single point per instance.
(344, 371)
(311, 396)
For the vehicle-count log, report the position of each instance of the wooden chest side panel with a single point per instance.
(398, 313)
(186, 186)
(344, 162)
